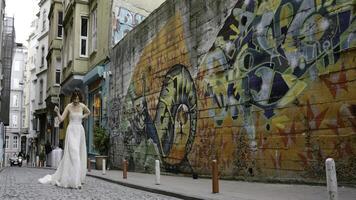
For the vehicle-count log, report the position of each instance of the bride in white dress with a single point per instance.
(72, 168)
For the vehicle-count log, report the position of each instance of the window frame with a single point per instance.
(14, 118)
(65, 48)
(94, 30)
(16, 83)
(58, 70)
(40, 99)
(44, 12)
(60, 24)
(42, 57)
(82, 37)
(15, 97)
(15, 141)
(17, 65)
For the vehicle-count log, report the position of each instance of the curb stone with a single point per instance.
(148, 189)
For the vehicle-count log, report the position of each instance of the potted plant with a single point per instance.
(101, 144)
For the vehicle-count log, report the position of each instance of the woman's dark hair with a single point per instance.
(76, 93)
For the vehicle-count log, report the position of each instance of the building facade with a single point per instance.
(80, 38)
(75, 45)
(102, 36)
(41, 74)
(8, 42)
(15, 137)
(54, 60)
(30, 92)
(2, 130)
(74, 52)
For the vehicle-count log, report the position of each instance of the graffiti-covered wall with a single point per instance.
(125, 17)
(264, 87)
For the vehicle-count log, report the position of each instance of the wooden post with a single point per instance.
(88, 165)
(331, 179)
(215, 177)
(124, 172)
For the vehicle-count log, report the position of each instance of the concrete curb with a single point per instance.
(149, 189)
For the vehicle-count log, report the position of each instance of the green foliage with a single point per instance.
(101, 140)
(42, 156)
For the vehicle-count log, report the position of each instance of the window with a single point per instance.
(23, 125)
(93, 31)
(44, 20)
(34, 124)
(15, 100)
(70, 43)
(14, 142)
(42, 56)
(60, 25)
(14, 121)
(16, 83)
(17, 65)
(40, 99)
(6, 142)
(84, 37)
(65, 48)
(58, 70)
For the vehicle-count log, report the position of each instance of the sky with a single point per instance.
(24, 12)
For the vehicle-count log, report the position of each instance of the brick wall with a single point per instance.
(263, 87)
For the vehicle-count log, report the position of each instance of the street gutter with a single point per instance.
(148, 189)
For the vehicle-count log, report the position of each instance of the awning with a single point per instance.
(75, 81)
(94, 74)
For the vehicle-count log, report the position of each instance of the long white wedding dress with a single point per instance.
(72, 168)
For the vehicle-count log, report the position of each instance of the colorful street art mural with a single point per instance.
(272, 97)
(123, 21)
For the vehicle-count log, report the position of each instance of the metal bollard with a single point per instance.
(104, 166)
(331, 179)
(158, 173)
(124, 172)
(215, 177)
(88, 165)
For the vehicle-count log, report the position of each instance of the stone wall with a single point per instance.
(264, 87)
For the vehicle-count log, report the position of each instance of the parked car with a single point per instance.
(16, 160)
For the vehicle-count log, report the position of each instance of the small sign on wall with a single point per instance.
(56, 122)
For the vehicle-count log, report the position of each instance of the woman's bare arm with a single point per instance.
(64, 114)
(86, 111)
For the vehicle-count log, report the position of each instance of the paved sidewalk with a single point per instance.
(21, 183)
(188, 188)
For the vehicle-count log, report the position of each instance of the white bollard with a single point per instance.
(104, 167)
(331, 180)
(158, 173)
(37, 161)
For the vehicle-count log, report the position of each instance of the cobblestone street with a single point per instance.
(21, 183)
